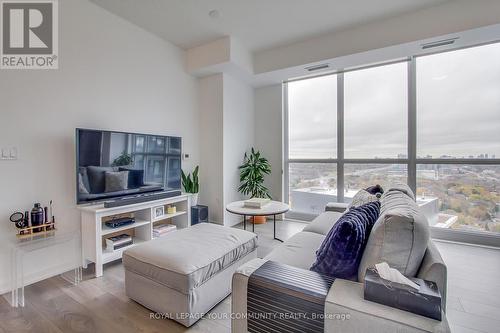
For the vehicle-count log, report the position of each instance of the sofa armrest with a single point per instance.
(339, 207)
(346, 310)
(434, 269)
(239, 295)
(280, 296)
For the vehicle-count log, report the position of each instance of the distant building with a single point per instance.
(312, 200)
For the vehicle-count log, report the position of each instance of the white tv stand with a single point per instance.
(94, 231)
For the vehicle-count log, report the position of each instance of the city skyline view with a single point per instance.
(465, 197)
(457, 111)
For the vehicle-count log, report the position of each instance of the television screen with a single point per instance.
(115, 164)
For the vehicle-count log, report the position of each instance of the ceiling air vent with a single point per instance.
(443, 42)
(317, 67)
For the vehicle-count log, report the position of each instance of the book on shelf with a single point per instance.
(118, 242)
(256, 202)
(162, 229)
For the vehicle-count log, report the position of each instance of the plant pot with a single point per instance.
(258, 219)
(194, 199)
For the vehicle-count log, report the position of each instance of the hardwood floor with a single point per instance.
(100, 304)
(473, 303)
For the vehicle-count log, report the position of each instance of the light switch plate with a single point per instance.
(9, 153)
(13, 153)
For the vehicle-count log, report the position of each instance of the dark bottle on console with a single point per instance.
(26, 219)
(37, 217)
(46, 217)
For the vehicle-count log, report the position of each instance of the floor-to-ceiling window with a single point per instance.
(312, 143)
(432, 121)
(458, 136)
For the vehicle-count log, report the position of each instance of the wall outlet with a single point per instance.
(13, 153)
(9, 153)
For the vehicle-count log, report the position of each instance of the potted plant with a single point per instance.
(123, 160)
(252, 173)
(191, 185)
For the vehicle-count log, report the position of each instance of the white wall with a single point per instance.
(211, 146)
(238, 137)
(112, 75)
(269, 134)
(227, 123)
(208, 55)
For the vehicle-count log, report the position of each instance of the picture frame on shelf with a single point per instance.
(159, 211)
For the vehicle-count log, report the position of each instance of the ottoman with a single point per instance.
(184, 274)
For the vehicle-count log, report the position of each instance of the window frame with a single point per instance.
(466, 236)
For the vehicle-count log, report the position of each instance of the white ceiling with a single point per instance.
(258, 24)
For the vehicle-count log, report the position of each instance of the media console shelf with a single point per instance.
(94, 231)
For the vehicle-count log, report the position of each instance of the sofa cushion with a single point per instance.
(400, 235)
(402, 187)
(323, 222)
(135, 176)
(339, 207)
(298, 251)
(116, 181)
(81, 185)
(361, 198)
(341, 251)
(96, 176)
(434, 269)
(85, 178)
(375, 190)
(185, 259)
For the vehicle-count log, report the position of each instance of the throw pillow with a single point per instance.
(376, 190)
(116, 181)
(401, 187)
(400, 236)
(362, 198)
(97, 178)
(85, 177)
(81, 186)
(340, 253)
(135, 177)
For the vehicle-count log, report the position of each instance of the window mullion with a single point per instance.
(285, 154)
(340, 137)
(412, 125)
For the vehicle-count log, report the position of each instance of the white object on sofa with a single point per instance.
(393, 275)
(186, 273)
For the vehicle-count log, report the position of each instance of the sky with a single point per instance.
(458, 109)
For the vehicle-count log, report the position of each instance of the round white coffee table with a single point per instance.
(273, 208)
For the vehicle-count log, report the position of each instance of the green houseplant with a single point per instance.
(252, 173)
(191, 184)
(122, 160)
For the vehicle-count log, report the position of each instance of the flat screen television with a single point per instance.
(112, 165)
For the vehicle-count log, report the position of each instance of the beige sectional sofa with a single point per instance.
(400, 237)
